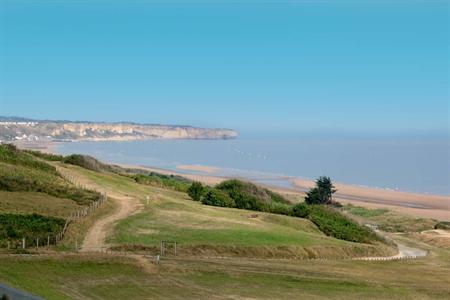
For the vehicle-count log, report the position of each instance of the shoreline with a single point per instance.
(411, 203)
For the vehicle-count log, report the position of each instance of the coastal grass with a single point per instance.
(388, 220)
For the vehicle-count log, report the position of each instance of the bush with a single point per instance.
(301, 210)
(442, 225)
(335, 224)
(14, 226)
(247, 195)
(280, 209)
(218, 198)
(196, 191)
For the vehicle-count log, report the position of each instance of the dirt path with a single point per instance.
(95, 239)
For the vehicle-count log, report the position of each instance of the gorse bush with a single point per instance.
(301, 210)
(248, 192)
(196, 190)
(334, 224)
(173, 182)
(217, 198)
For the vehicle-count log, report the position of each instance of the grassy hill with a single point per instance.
(167, 214)
(34, 198)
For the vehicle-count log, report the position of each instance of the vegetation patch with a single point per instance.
(442, 225)
(244, 195)
(11, 155)
(21, 171)
(91, 163)
(14, 226)
(365, 212)
(173, 182)
(333, 223)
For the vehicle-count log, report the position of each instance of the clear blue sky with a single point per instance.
(331, 65)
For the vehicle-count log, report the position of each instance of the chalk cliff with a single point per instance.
(14, 129)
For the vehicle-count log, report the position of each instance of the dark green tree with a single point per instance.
(322, 193)
(196, 191)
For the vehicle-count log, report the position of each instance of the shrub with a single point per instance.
(247, 195)
(196, 191)
(280, 209)
(442, 225)
(14, 226)
(218, 198)
(335, 224)
(301, 210)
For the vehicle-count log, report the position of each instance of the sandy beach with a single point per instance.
(198, 168)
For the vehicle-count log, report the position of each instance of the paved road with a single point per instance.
(14, 294)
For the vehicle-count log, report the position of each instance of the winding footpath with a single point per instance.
(404, 252)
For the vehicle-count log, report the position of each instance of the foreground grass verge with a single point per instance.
(109, 277)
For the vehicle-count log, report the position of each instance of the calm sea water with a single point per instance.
(418, 165)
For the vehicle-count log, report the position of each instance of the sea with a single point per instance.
(401, 163)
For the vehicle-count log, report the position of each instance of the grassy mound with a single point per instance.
(247, 194)
(91, 163)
